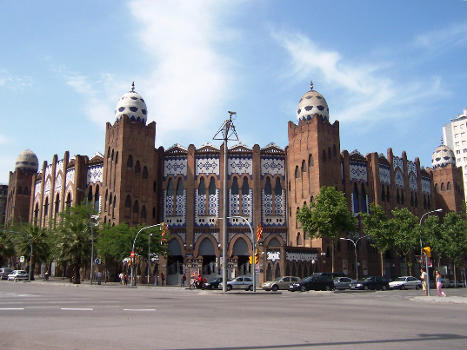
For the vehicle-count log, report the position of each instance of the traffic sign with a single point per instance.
(97, 261)
(21, 259)
(132, 254)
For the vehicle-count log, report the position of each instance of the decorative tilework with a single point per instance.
(273, 209)
(246, 204)
(59, 166)
(70, 177)
(58, 182)
(94, 174)
(240, 165)
(246, 208)
(399, 179)
(384, 174)
(200, 204)
(283, 235)
(174, 209)
(175, 166)
(37, 188)
(201, 219)
(181, 204)
(358, 172)
(397, 162)
(412, 181)
(234, 203)
(300, 256)
(426, 185)
(273, 166)
(214, 203)
(412, 167)
(207, 166)
(182, 236)
(47, 186)
(48, 170)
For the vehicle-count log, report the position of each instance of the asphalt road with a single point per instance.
(58, 316)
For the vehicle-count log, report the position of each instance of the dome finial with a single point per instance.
(132, 87)
(311, 85)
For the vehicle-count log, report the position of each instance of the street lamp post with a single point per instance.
(355, 242)
(149, 254)
(91, 224)
(421, 249)
(133, 249)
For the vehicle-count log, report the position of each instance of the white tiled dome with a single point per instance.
(132, 105)
(27, 160)
(312, 103)
(442, 156)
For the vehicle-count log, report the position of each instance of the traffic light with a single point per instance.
(250, 258)
(427, 251)
(256, 257)
(164, 232)
(259, 232)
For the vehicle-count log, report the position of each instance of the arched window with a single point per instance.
(424, 202)
(234, 189)
(89, 194)
(136, 207)
(397, 197)
(299, 239)
(129, 162)
(278, 187)
(303, 166)
(201, 187)
(36, 213)
(96, 199)
(448, 186)
(383, 193)
(112, 156)
(245, 186)
(297, 172)
(267, 186)
(137, 167)
(402, 197)
(128, 201)
(105, 200)
(25, 191)
(46, 207)
(143, 212)
(108, 152)
(68, 200)
(329, 152)
(154, 187)
(436, 187)
(334, 151)
(145, 172)
(20, 190)
(416, 201)
(57, 203)
(179, 188)
(356, 206)
(153, 212)
(310, 160)
(388, 196)
(116, 158)
(363, 201)
(212, 186)
(411, 199)
(170, 188)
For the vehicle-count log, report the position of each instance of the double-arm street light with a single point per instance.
(355, 242)
(421, 249)
(133, 249)
(224, 275)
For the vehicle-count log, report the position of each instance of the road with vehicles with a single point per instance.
(43, 315)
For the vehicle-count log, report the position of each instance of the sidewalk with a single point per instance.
(86, 283)
(441, 300)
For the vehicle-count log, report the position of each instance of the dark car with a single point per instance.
(213, 284)
(314, 282)
(4, 272)
(371, 282)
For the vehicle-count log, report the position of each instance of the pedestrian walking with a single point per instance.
(99, 278)
(125, 279)
(156, 276)
(439, 284)
(121, 277)
(162, 278)
(184, 280)
(424, 277)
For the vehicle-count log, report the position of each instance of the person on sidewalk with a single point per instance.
(423, 277)
(439, 284)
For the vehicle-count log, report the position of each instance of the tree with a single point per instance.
(7, 249)
(72, 237)
(26, 235)
(327, 217)
(431, 233)
(405, 228)
(453, 231)
(377, 226)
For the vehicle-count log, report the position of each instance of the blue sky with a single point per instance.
(392, 72)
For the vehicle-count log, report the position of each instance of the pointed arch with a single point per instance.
(129, 162)
(267, 186)
(234, 188)
(201, 187)
(245, 186)
(278, 187)
(137, 167)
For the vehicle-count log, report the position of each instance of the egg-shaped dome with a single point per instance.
(312, 103)
(132, 105)
(27, 160)
(442, 156)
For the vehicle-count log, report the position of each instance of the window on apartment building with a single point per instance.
(458, 152)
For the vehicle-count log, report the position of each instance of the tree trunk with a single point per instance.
(381, 254)
(455, 276)
(33, 266)
(76, 267)
(332, 255)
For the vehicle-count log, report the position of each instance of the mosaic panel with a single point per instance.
(47, 186)
(397, 162)
(174, 210)
(37, 188)
(426, 185)
(399, 179)
(207, 166)
(214, 203)
(412, 167)
(48, 170)
(212, 210)
(95, 174)
(181, 204)
(234, 203)
(358, 172)
(412, 181)
(215, 235)
(70, 177)
(273, 166)
(201, 200)
(175, 166)
(384, 174)
(273, 209)
(58, 182)
(240, 165)
(59, 166)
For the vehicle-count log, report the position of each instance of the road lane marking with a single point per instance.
(139, 309)
(11, 308)
(76, 308)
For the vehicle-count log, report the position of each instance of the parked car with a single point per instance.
(241, 282)
(313, 282)
(371, 282)
(280, 283)
(18, 275)
(342, 283)
(213, 284)
(405, 282)
(4, 272)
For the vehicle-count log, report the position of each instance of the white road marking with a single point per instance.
(139, 309)
(76, 308)
(11, 308)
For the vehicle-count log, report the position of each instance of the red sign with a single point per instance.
(132, 254)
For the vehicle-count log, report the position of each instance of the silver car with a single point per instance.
(342, 283)
(280, 283)
(405, 282)
(18, 275)
(241, 282)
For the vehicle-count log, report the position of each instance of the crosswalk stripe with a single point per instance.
(11, 308)
(139, 309)
(76, 309)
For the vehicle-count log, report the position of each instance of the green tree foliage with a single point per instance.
(379, 229)
(453, 230)
(23, 236)
(327, 217)
(7, 248)
(406, 233)
(431, 233)
(72, 238)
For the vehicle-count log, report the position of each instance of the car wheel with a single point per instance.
(303, 288)
(417, 287)
(402, 287)
(275, 288)
(384, 288)
(250, 288)
(229, 287)
(365, 287)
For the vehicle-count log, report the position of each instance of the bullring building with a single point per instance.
(135, 183)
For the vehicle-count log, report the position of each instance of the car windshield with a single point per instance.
(400, 279)
(308, 279)
(278, 279)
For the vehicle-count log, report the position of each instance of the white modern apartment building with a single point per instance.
(455, 137)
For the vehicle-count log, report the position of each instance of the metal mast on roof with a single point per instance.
(226, 133)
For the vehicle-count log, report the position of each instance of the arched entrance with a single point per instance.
(206, 250)
(174, 263)
(240, 249)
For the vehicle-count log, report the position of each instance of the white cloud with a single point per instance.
(367, 91)
(14, 82)
(453, 35)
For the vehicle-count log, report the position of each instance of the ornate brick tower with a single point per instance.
(19, 187)
(131, 165)
(313, 160)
